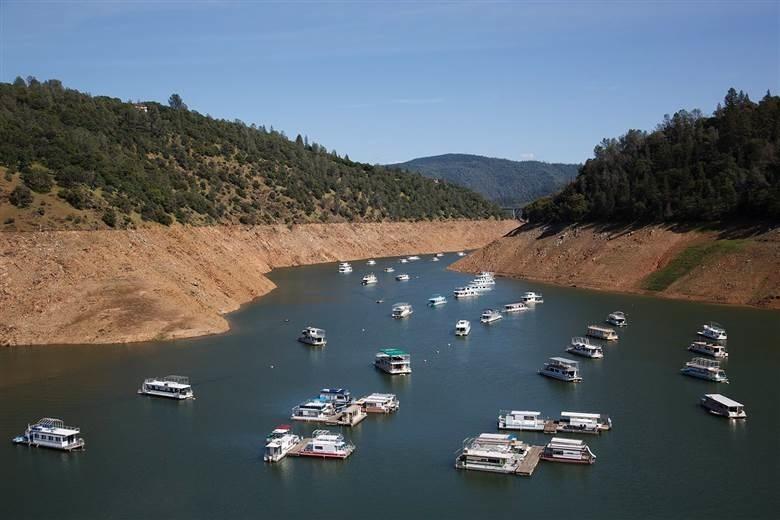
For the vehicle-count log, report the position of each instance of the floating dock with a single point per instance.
(351, 415)
(296, 450)
(530, 461)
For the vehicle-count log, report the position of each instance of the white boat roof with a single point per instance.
(599, 327)
(496, 437)
(169, 384)
(493, 453)
(569, 442)
(379, 398)
(564, 361)
(580, 414)
(57, 431)
(524, 412)
(722, 399)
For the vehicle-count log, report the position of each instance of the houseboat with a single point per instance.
(713, 331)
(461, 253)
(493, 452)
(338, 397)
(436, 300)
(704, 368)
(439, 255)
(568, 450)
(709, 349)
(313, 336)
(462, 328)
(314, 410)
(402, 277)
(515, 307)
(401, 310)
(617, 318)
(531, 297)
(605, 333)
(371, 262)
(327, 445)
(369, 279)
(578, 422)
(172, 387)
(393, 361)
(582, 347)
(435, 259)
(520, 420)
(563, 369)
(721, 405)
(389, 270)
(51, 433)
(490, 316)
(465, 292)
(403, 260)
(379, 403)
(484, 279)
(413, 258)
(279, 443)
(345, 267)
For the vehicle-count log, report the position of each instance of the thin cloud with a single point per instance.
(418, 101)
(527, 156)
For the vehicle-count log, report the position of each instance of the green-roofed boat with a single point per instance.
(393, 361)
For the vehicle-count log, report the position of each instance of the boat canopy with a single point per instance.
(566, 442)
(722, 399)
(579, 414)
(523, 412)
(394, 352)
(564, 361)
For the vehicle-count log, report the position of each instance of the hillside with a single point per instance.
(690, 168)
(508, 183)
(732, 267)
(109, 286)
(76, 161)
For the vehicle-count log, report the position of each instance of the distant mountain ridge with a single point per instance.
(507, 182)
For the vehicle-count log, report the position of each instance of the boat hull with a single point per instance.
(567, 461)
(561, 378)
(173, 397)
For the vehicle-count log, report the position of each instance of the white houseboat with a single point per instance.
(490, 316)
(402, 277)
(369, 279)
(465, 292)
(379, 403)
(713, 331)
(413, 258)
(51, 433)
(709, 349)
(520, 420)
(327, 446)
(515, 307)
(371, 262)
(617, 318)
(439, 255)
(480, 287)
(345, 267)
(172, 387)
(435, 259)
(704, 368)
(462, 328)
(389, 269)
(605, 333)
(436, 300)
(339, 397)
(314, 410)
(461, 253)
(530, 297)
(279, 443)
(313, 336)
(393, 361)
(403, 260)
(721, 405)
(568, 450)
(582, 347)
(402, 310)
(579, 422)
(493, 452)
(563, 369)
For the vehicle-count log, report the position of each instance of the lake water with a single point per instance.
(665, 458)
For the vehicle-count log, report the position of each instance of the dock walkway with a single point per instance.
(530, 461)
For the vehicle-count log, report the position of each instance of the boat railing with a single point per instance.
(176, 379)
(704, 362)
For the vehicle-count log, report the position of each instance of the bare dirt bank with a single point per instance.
(162, 283)
(731, 269)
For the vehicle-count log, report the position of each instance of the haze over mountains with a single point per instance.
(508, 183)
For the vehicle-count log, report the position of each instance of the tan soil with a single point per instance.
(619, 261)
(160, 283)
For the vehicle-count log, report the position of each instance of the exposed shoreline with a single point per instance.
(124, 286)
(621, 260)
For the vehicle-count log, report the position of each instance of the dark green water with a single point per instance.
(665, 458)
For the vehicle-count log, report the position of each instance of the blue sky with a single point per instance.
(390, 81)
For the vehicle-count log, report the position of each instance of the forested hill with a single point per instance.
(690, 168)
(75, 160)
(508, 183)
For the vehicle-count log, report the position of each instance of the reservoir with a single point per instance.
(666, 457)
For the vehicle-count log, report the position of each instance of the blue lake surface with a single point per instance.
(665, 458)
